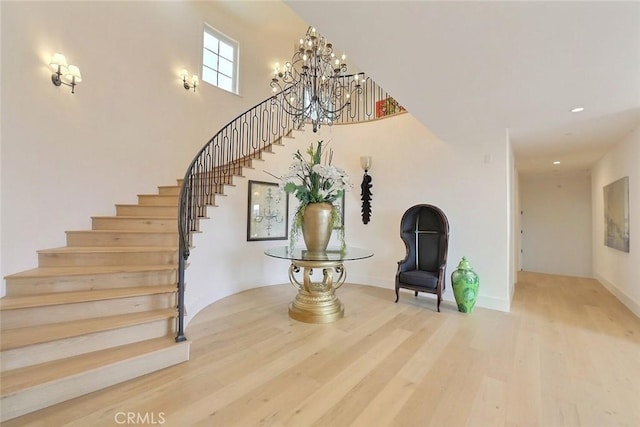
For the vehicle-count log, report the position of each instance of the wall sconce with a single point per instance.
(191, 83)
(365, 162)
(68, 75)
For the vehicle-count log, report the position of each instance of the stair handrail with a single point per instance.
(213, 166)
(227, 151)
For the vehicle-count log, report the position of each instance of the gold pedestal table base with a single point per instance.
(317, 302)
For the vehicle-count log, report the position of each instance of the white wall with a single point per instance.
(514, 216)
(2, 288)
(556, 222)
(617, 270)
(130, 126)
(410, 166)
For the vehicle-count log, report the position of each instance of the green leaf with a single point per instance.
(290, 187)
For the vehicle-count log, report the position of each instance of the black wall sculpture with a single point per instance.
(366, 197)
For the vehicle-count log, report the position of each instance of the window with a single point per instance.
(220, 60)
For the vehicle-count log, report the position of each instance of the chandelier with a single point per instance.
(313, 84)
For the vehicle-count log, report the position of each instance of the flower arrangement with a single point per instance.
(315, 181)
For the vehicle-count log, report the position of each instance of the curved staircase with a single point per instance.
(99, 311)
(109, 306)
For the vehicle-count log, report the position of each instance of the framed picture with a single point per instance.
(339, 203)
(267, 212)
(616, 214)
(388, 106)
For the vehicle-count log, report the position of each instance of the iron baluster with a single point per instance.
(235, 145)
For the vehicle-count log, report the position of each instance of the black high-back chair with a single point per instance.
(424, 229)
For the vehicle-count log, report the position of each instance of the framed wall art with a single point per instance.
(388, 106)
(267, 212)
(339, 203)
(616, 214)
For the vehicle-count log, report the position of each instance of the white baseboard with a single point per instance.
(492, 303)
(623, 297)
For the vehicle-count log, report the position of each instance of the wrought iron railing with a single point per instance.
(233, 147)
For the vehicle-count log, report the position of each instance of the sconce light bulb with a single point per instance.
(73, 74)
(365, 162)
(58, 61)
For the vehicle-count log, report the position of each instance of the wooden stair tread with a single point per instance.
(85, 270)
(96, 249)
(173, 218)
(168, 190)
(23, 378)
(147, 206)
(175, 196)
(157, 194)
(125, 231)
(58, 298)
(21, 337)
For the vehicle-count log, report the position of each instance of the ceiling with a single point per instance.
(470, 71)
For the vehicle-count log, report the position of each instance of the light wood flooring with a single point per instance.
(567, 355)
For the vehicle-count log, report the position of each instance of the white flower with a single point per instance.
(311, 181)
(322, 170)
(324, 193)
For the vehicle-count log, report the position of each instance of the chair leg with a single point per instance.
(397, 295)
(416, 293)
(439, 300)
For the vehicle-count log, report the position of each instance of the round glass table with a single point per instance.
(316, 301)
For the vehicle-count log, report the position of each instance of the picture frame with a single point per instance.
(616, 214)
(339, 203)
(387, 107)
(267, 212)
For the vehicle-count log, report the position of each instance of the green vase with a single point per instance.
(465, 284)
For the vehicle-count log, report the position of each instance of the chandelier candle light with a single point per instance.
(314, 83)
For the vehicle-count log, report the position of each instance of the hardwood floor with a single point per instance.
(567, 355)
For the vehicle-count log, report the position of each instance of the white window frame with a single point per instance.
(208, 29)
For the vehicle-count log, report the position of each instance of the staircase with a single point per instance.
(109, 306)
(99, 311)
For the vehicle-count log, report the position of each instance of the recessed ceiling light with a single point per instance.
(557, 162)
(577, 109)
